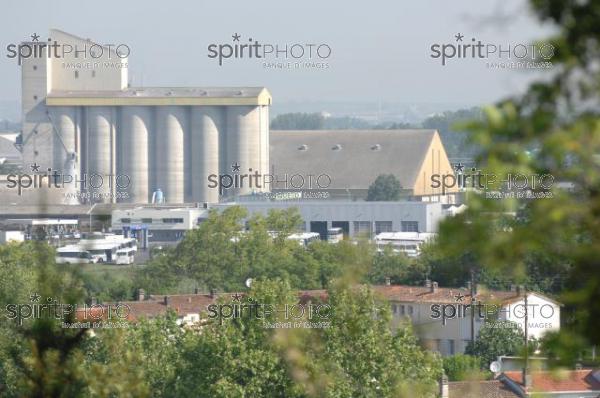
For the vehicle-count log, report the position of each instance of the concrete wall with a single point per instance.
(99, 68)
(172, 124)
(98, 151)
(135, 135)
(38, 136)
(206, 123)
(243, 144)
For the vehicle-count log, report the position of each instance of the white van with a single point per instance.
(125, 256)
(335, 235)
(305, 238)
(73, 255)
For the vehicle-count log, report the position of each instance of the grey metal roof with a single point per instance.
(352, 158)
(161, 92)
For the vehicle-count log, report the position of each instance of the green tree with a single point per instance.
(372, 360)
(220, 254)
(462, 367)
(386, 187)
(551, 129)
(400, 269)
(357, 355)
(495, 339)
(38, 357)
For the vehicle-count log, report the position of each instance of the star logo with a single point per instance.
(34, 297)
(459, 297)
(459, 167)
(235, 167)
(236, 297)
(459, 37)
(35, 37)
(35, 167)
(236, 37)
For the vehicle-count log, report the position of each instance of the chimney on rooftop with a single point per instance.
(93, 301)
(388, 281)
(434, 287)
(469, 286)
(444, 393)
(513, 288)
(167, 300)
(141, 295)
(427, 283)
(213, 293)
(196, 290)
(578, 366)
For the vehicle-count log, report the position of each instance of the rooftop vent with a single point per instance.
(169, 93)
(336, 147)
(239, 93)
(376, 147)
(303, 147)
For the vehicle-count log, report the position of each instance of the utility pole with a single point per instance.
(526, 337)
(472, 306)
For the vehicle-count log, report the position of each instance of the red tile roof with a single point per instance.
(423, 294)
(155, 305)
(565, 380)
(478, 389)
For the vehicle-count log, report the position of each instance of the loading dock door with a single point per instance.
(320, 227)
(344, 225)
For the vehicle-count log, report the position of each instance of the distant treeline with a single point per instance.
(455, 140)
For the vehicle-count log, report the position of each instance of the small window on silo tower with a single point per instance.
(93, 73)
(76, 74)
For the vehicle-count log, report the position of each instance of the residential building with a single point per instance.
(441, 317)
(444, 321)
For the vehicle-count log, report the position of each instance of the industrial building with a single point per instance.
(82, 118)
(356, 219)
(349, 161)
(121, 144)
(162, 224)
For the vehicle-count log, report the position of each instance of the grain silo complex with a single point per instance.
(82, 118)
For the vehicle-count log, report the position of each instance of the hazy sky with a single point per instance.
(380, 49)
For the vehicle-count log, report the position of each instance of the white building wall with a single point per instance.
(189, 216)
(427, 215)
(543, 315)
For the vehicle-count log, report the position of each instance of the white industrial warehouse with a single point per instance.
(88, 122)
